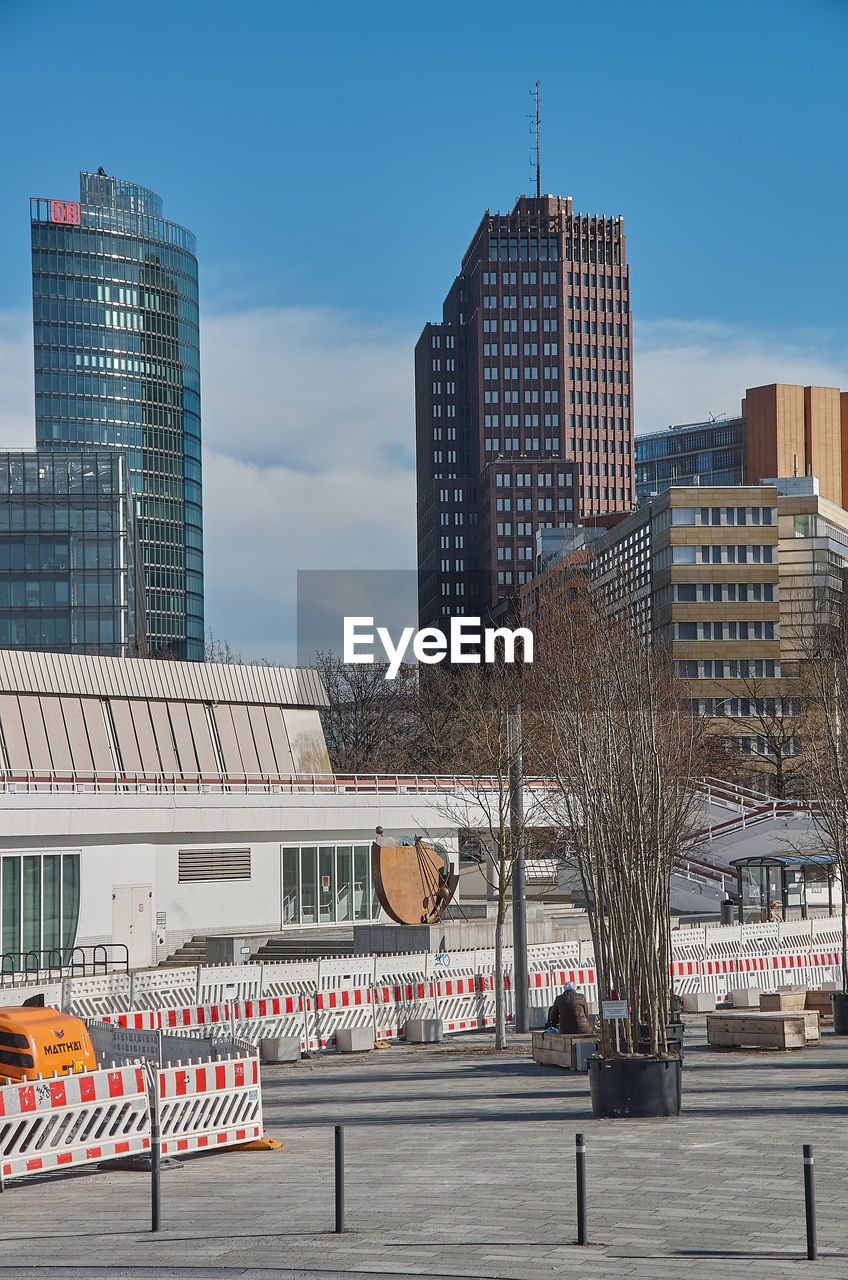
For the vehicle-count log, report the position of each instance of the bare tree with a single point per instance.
(621, 754)
(825, 745)
(773, 721)
(477, 702)
(368, 721)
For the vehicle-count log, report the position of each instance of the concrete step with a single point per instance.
(301, 945)
(191, 953)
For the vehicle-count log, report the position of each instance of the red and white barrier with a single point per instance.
(337, 1008)
(395, 1003)
(211, 1105)
(73, 1120)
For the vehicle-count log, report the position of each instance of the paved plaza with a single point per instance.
(460, 1162)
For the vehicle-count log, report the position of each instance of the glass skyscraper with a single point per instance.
(70, 577)
(117, 363)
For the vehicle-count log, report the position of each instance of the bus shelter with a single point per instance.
(774, 885)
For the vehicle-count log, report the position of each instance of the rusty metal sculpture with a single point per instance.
(414, 883)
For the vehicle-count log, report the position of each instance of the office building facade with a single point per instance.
(708, 453)
(70, 572)
(783, 430)
(115, 314)
(523, 401)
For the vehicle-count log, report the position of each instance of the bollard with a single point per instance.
(155, 1171)
(581, 1190)
(810, 1201)
(339, 1178)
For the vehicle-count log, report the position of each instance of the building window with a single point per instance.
(39, 903)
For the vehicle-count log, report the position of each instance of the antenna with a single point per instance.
(538, 150)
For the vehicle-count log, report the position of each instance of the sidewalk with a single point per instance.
(461, 1163)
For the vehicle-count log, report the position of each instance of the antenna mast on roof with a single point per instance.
(538, 151)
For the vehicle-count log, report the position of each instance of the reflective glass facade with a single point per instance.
(70, 572)
(117, 363)
(39, 906)
(705, 453)
(328, 884)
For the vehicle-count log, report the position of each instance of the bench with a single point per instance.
(781, 1030)
(555, 1050)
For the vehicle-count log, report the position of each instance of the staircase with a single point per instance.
(306, 945)
(189, 955)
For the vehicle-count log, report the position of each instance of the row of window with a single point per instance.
(524, 529)
(716, 554)
(744, 708)
(51, 338)
(106, 266)
(175, 247)
(524, 479)
(509, 302)
(510, 373)
(58, 593)
(532, 444)
(726, 629)
(48, 517)
(527, 277)
(491, 420)
(723, 515)
(58, 555)
(728, 669)
(522, 249)
(63, 311)
(530, 397)
(123, 297)
(39, 630)
(55, 358)
(526, 504)
(665, 445)
(727, 592)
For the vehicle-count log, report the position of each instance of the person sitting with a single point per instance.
(569, 1013)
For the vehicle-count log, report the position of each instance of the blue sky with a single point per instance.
(334, 161)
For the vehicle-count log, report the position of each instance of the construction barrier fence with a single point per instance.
(98, 1115)
(312, 1000)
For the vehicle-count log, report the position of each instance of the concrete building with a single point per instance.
(523, 401)
(730, 579)
(117, 364)
(146, 802)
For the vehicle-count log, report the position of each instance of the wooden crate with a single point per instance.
(782, 1001)
(821, 1002)
(780, 1030)
(557, 1050)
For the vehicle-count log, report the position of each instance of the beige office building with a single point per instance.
(725, 576)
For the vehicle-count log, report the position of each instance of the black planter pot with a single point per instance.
(839, 1001)
(634, 1087)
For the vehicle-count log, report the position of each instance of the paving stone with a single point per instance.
(462, 1164)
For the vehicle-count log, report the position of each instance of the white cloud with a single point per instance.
(17, 403)
(309, 447)
(308, 427)
(686, 370)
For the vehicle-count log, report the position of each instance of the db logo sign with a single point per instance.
(65, 211)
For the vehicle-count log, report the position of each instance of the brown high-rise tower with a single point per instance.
(523, 401)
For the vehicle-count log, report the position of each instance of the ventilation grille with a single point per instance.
(214, 864)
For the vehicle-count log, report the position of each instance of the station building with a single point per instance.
(146, 802)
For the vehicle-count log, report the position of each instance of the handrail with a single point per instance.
(58, 962)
